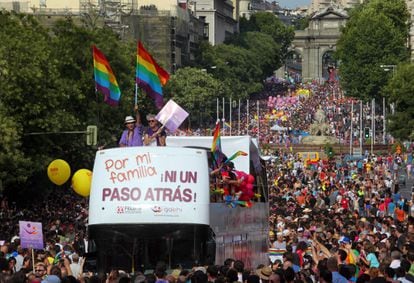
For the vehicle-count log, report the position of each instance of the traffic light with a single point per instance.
(91, 135)
(367, 132)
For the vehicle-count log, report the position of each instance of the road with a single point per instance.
(406, 190)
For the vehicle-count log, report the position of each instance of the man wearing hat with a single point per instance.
(132, 135)
(264, 273)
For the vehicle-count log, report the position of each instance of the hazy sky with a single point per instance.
(293, 3)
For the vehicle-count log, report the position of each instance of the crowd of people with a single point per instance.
(343, 116)
(341, 220)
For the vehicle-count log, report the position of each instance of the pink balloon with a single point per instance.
(250, 179)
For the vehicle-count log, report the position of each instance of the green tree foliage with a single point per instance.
(269, 24)
(196, 91)
(265, 51)
(302, 23)
(375, 34)
(246, 59)
(395, 10)
(48, 87)
(237, 70)
(400, 90)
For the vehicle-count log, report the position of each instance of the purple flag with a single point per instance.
(31, 235)
(172, 116)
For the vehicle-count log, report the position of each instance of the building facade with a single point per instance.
(218, 14)
(168, 29)
(318, 5)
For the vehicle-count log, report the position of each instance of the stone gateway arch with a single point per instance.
(311, 52)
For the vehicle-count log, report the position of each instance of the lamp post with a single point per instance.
(387, 68)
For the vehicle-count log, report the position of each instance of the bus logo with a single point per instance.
(156, 209)
(128, 210)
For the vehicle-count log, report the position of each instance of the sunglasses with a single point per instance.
(39, 270)
(151, 121)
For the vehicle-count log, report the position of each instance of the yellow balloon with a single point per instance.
(58, 171)
(81, 182)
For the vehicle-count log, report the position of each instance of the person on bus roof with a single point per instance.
(132, 135)
(229, 178)
(155, 135)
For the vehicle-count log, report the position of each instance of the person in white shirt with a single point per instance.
(396, 259)
(75, 266)
(280, 243)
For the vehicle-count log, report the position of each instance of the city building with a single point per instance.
(318, 5)
(218, 14)
(168, 29)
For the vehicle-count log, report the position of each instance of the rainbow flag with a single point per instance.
(216, 145)
(105, 81)
(275, 252)
(150, 76)
(237, 154)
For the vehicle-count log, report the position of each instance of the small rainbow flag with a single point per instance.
(237, 154)
(150, 76)
(216, 145)
(275, 252)
(105, 80)
(244, 203)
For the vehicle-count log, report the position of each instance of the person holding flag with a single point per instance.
(132, 135)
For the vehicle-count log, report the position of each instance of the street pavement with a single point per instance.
(409, 182)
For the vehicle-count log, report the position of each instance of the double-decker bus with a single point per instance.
(153, 203)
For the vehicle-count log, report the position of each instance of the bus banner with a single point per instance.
(150, 185)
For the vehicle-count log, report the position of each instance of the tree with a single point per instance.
(372, 37)
(236, 67)
(196, 91)
(400, 90)
(269, 24)
(302, 23)
(47, 86)
(265, 51)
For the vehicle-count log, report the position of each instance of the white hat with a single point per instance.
(129, 119)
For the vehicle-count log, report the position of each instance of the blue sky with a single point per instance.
(293, 3)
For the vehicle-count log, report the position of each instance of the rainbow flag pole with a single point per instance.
(136, 94)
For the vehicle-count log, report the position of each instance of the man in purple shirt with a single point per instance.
(132, 135)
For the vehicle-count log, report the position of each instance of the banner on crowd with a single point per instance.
(31, 235)
(276, 254)
(137, 185)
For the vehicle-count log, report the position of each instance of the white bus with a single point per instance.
(151, 204)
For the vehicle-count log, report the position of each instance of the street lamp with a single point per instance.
(387, 68)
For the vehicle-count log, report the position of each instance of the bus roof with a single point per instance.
(229, 145)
